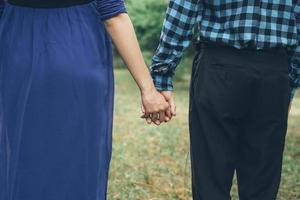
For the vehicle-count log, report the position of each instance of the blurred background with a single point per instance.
(152, 163)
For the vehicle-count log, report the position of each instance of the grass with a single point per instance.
(152, 163)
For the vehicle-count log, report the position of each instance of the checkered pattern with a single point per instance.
(258, 24)
(295, 55)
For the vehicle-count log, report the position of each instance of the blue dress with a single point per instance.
(56, 101)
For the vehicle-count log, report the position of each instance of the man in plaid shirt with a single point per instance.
(245, 73)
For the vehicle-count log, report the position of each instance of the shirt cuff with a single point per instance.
(163, 82)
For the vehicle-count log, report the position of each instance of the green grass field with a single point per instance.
(152, 163)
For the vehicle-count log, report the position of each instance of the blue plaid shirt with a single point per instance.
(258, 24)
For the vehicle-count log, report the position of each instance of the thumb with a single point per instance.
(143, 109)
(172, 106)
(143, 112)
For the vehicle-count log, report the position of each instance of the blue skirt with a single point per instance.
(56, 104)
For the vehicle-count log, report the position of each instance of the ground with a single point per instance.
(152, 163)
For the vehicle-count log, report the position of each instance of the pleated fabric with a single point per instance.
(56, 104)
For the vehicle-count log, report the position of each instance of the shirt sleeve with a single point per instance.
(110, 8)
(176, 36)
(1, 7)
(295, 57)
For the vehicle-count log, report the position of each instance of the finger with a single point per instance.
(157, 122)
(145, 116)
(167, 119)
(168, 114)
(173, 107)
(162, 117)
(148, 120)
(143, 109)
(144, 113)
(155, 118)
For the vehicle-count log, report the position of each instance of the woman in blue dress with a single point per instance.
(56, 95)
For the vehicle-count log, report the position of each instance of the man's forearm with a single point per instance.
(176, 36)
(294, 70)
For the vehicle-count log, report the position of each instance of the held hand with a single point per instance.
(171, 112)
(154, 107)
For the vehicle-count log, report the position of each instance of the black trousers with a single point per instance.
(238, 120)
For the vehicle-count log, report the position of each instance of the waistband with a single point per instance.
(207, 44)
(48, 3)
(277, 56)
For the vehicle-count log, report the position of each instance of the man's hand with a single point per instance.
(171, 112)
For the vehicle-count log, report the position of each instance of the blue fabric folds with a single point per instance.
(56, 104)
(106, 8)
(110, 8)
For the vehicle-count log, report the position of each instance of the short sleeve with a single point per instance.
(110, 8)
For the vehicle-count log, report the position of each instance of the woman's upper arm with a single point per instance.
(110, 8)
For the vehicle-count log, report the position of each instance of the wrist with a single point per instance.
(147, 89)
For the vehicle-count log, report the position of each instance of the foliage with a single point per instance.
(147, 17)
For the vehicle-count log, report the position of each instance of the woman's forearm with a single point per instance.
(122, 33)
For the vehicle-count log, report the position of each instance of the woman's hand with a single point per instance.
(154, 107)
